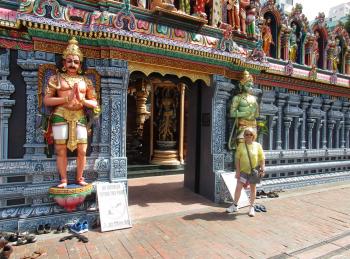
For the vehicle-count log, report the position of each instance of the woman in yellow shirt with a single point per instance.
(243, 168)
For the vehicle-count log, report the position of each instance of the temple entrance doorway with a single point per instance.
(156, 128)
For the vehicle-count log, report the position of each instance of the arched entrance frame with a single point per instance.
(160, 77)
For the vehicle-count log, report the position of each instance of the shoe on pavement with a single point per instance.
(251, 211)
(232, 208)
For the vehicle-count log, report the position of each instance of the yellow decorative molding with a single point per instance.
(70, 191)
(147, 69)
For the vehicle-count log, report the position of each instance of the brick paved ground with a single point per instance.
(171, 222)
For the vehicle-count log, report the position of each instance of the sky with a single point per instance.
(311, 8)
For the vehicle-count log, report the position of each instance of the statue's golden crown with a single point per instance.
(246, 78)
(73, 49)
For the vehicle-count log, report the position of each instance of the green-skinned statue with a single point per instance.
(244, 110)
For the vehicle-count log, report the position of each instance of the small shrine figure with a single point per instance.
(243, 4)
(315, 49)
(244, 110)
(251, 13)
(267, 36)
(233, 14)
(167, 116)
(293, 43)
(313, 73)
(336, 56)
(69, 93)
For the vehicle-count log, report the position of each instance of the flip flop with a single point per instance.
(262, 208)
(34, 255)
(257, 208)
(66, 238)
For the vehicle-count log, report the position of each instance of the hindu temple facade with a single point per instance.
(165, 73)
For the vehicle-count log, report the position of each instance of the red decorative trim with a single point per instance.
(300, 85)
(11, 44)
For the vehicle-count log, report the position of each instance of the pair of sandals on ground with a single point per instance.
(252, 209)
(17, 238)
(262, 194)
(9, 239)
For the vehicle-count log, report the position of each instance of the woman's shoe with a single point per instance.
(76, 228)
(251, 212)
(47, 228)
(58, 229)
(40, 229)
(84, 226)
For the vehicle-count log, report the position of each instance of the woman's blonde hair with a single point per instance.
(250, 130)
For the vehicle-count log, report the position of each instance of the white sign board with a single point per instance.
(113, 206)
(231, 182)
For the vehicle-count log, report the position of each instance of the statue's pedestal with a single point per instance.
(70, 197)
(165, 157)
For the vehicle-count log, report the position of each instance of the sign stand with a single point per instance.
(113, 206)
(231, 182)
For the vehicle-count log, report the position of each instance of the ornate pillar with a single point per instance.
(182, 122)
(6, 89)
(272, 123)
(310, 126)
(319, 124)
(338, 130)
(315, 112)
(336, 117)
(330, 125)
(305, 102)
(30, 62)
(330, 54)
(217, 12)
(347, 135)
(141, 94)
(308, 49)
(297, 123)
(268, 110)
(345, 111)
(287, 124)
(281, 99)
(285, 43)
(347, 63)
(291, 111)
(114, 84)
(325, 107)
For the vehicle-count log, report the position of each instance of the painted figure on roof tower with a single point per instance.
(293, 43)
(267, 36)
(251, 13)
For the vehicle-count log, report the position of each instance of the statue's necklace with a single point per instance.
(248, 100)
(72, 80)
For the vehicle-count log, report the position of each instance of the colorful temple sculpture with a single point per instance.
(165, 74)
